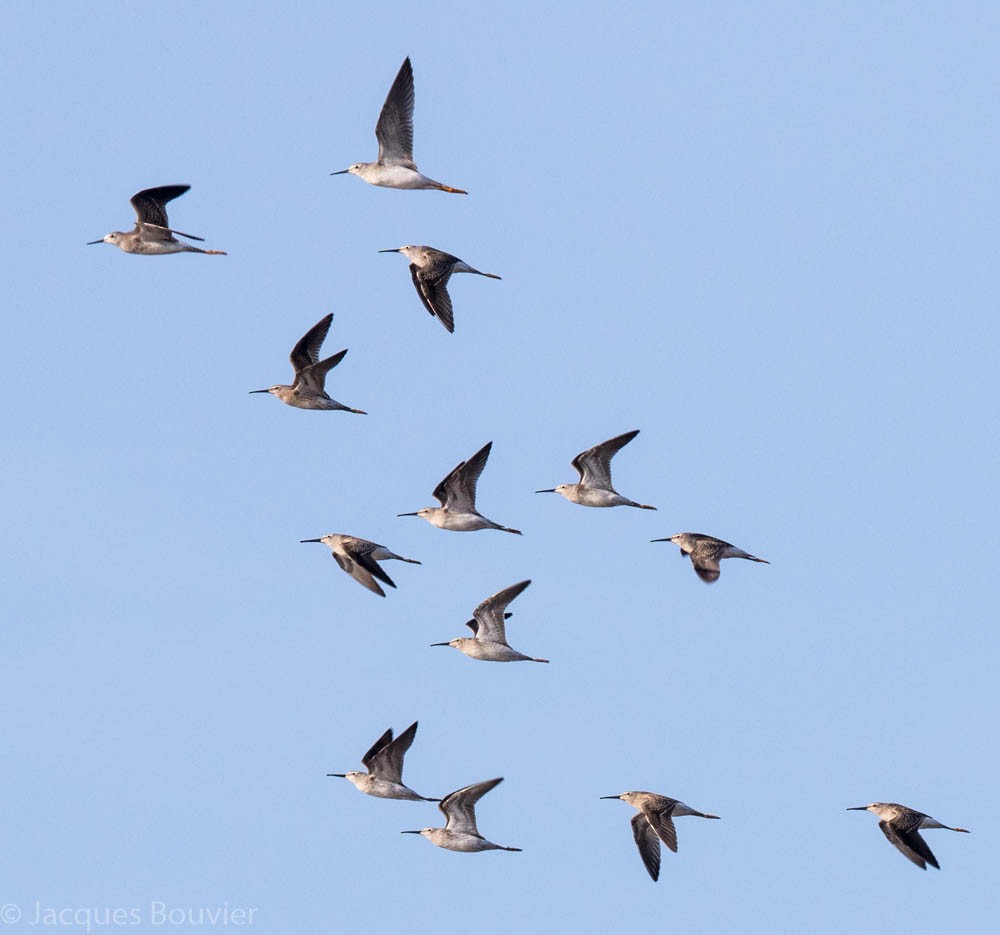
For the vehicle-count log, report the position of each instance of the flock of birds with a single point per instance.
(431, 269)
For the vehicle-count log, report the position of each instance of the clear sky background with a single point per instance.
(765, 235)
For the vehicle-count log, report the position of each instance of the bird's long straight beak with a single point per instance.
(392, 250)
(338, 775)
(858, 808)
(409, 832)
(260, 391)
(440, 644)
(310, 540)
(407, 514)
(90, 243)
(341, 172)
(661, 540)
(547, 490)
(610, 796)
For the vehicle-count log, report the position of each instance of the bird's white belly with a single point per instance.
(458, 522)
(398, 177)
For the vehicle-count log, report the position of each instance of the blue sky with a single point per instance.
(763, 235)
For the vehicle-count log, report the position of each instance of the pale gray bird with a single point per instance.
(706, 552)
(460, 832)
(489, 640)
(594, 468)
(307, 389)
(655, 823)
(384, 765)
(360, 558)
(430, 270)
(457, 495)
(152, 234)
(901, 827)
(395, 167)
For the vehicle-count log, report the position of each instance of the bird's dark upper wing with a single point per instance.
(306, 350)
(909, 843)
(389, 762)
(367, 759)
(315, 376)
(468, 476)
(432, 287)
(648, 843)
(663, 824)
(458, 489)
(149, 203)
(594, 464)
(394, 129)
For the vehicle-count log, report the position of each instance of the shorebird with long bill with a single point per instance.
(152, 234)
(460, 832)
(394, 167)
(457, 496)
(384, 765)
(654, 823)
(901, 827)
(360, 558)
(594, 468)
(308, 388)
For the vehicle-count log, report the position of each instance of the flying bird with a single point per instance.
(594, 468)
(431, 269)
(654, 823)
(457, 496)
(307, 389)
(706, 552)
(489, 639)
(152, 233)
(901, 827)
(384, 765)
(460, 832)
(395, 167)
(360, 558)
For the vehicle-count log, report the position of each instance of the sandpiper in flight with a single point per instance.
(360, 558)
(384, 762)
(152, 233)
(901, 827)
(457, 495)
(655, 823)
(395, 167)
(306, 391)
(460, 832)
(489, 640)
(706, 552)
(594, 468)
(431, 269)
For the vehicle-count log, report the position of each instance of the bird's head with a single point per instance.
(326, 540)
(423, 514)
(114, 237)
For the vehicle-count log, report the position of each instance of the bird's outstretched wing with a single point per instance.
(459, 807)
(489, 615)
(370, 757)
(648, 843)
(149, 204)
(458, 490)
(306, 350)
(594, 464)
(432, 287)
(358, 563)
(909, 843)
(388, 761)
(394, 129)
